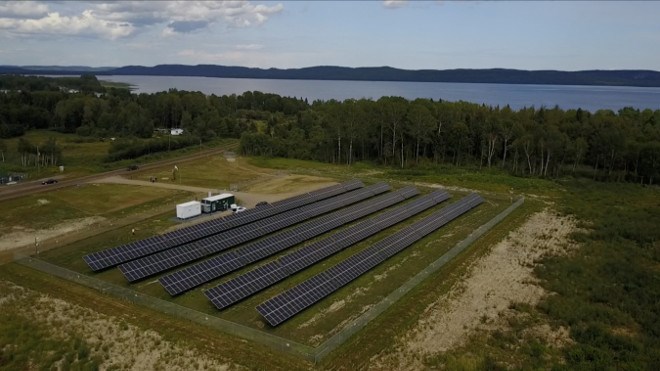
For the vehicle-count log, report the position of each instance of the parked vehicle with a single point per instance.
(240, 209)
(49, 181)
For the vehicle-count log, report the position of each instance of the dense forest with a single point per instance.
(543, 142)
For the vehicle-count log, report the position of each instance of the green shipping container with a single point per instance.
(219, 202)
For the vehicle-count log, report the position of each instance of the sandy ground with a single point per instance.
(23, 236)
(481, 300)
(121, 346)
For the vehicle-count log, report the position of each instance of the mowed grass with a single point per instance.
(214, 172)
(100, 199)
(42, 211)
(70, 256)
(108, 200)
(491, 180)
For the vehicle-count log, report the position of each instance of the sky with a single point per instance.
(533, 35)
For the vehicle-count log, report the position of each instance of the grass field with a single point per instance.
(111, 201)
(604, 293)
(215, 172)
(86, 155)
(307, 328)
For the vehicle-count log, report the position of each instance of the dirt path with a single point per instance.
(22, 243)
(27, 188)
(481, 299)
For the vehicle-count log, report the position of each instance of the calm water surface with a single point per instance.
(517, 96)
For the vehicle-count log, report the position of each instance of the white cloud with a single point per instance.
(233, 13)
(113, 20)
(86, 24)
(392, 4)
(23, 9)
(249, 47)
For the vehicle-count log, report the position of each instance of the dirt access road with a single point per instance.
(24, 189)
(248, 199)
(21, 243)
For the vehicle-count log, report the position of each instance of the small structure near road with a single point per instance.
(11, 178)
(188, 209)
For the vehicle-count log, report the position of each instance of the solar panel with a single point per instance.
(213, 268)
(162, 261)
(291, 302)
(110, 257)
(250, 283)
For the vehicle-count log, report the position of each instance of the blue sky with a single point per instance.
(566, 35)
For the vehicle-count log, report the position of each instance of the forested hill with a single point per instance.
(645, 78)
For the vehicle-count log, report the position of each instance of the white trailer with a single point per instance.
(188, 209)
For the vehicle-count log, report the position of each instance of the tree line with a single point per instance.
(542, 142)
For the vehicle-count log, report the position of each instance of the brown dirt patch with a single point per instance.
(118, 344)
(481, 300)
(26, 236)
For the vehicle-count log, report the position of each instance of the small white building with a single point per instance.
(188, 209)
(176, 131)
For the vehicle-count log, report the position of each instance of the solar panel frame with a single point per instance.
(236, 289)
(162, 261)
(113, 256)
(283, 306)
(272, 244)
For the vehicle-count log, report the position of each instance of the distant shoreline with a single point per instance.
(635, 78)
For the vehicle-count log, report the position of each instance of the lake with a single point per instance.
(589, 98)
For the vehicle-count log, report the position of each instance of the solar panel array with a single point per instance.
(245, 285)
(164, 260)
(205, 271)
(114, 256)
(287, 304)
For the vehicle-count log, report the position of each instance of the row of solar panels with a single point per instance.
(294, 300)
(176, 256)
(245, 285)
(211, 237)
(205, 271)
(114, 256)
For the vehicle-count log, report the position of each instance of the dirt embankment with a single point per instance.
(119, 345)
(24, 236)
(481, 300)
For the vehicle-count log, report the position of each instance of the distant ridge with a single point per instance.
(642, 78)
